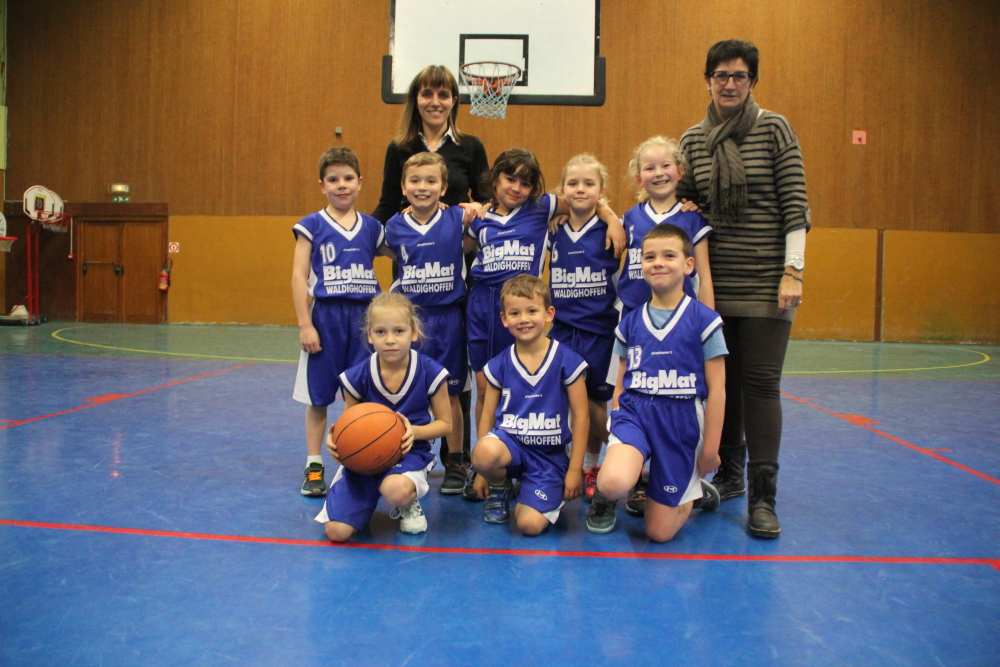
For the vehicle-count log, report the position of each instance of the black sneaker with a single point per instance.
(636, 503)
(454, 478)
(710, 500)
(314, 485)
(601, 515)
(469, 492)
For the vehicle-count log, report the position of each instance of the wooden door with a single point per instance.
(143, 250)
(120, 263)
(100, 285)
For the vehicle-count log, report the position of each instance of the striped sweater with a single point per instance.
(748, 259)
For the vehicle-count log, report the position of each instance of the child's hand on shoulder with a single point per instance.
(708, 464)
(615, 239)
(407, 435)
(472, 210)
(309, 339)
(331, 446)
(556, 221)
(688, 205)
(573, 484)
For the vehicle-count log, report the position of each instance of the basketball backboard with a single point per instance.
(556, 44)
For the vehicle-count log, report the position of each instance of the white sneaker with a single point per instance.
(412, 519)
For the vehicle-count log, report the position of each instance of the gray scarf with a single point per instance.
(727, 187)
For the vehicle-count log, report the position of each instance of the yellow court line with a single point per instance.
(173, 354)
(985, 358)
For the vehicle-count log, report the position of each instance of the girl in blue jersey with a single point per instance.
(582, 272)
(657, 165)
(511, 240)
(413, 385)
(427, 244)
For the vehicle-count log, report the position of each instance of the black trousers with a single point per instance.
(757, 347)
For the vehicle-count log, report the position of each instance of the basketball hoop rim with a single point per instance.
(513, 76)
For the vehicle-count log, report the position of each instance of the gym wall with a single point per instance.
(222, 109)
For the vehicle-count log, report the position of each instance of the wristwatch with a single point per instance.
(799, 263)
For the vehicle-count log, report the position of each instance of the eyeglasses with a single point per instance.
(721, 77)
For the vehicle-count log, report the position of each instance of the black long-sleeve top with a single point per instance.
(466, 162)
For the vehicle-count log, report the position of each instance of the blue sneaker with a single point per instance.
(497, 507)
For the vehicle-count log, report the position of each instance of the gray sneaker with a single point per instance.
(412, 519)
(710, 500)
(314, 485)
(469, 492)
(601, 515)
(635, 504)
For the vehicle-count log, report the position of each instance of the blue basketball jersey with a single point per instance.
(581, 277)
(534, 408)
(343, 262)
(638, 220)
(424, 377)
(668, 361)
(512, 244)
(430, 257)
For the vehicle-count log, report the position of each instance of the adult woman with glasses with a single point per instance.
(745, 172)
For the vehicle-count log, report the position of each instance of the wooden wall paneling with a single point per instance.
(223, 108)
(42, 85)
(144, 249)
(294, 92)
(232, 270)
(805, 81)
(838, 300)
(193, 106)
(339, 84)
(926, 305)
(978, 162)
(275, 104)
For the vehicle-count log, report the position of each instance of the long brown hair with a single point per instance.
(410, 124)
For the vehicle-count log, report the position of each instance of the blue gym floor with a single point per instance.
(150, 515)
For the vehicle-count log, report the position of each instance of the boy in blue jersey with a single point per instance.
(582, 272)
(535, 386)
(334, 266)
(670, 396)
(426, 242)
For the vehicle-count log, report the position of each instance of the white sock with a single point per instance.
(590, 460)
(314, 459)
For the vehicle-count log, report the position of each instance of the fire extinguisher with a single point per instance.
(164, 282)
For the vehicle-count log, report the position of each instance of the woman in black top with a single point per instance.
(428, 123)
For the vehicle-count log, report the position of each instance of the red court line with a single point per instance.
(992, 562)
(862, 421)
(110, 398)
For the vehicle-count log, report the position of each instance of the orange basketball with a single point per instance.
(368, 437)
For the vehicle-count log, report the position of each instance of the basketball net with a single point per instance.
(489, 85)
(46, 208)
(5, 241)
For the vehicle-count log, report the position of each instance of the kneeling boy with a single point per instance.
(670, 396)
(533, 387)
